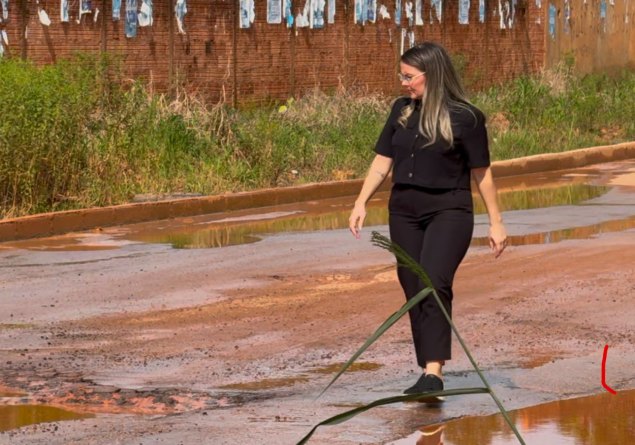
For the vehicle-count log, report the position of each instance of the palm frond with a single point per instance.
(347, 415)
(406, 261)
(380, 330)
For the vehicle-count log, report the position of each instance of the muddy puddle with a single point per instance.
(16, 412)
(604, 419)
(265, 384)
(333, 214)
(553, 236)
(572, 187)
(17, 416)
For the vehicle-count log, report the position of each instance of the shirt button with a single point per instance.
(412, 155)
(410, 175)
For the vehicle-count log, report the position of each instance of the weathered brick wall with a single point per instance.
(596, 41)
(220, 61)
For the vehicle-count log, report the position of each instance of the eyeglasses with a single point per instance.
(408, 78)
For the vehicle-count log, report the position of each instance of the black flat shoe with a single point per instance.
(417, 387)
(427, 383)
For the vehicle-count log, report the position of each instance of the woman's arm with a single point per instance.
(379, 169)
(487, 189)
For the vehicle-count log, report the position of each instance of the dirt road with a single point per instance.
(242, 363)
(232, 345)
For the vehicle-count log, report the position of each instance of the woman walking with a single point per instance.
(434, 141)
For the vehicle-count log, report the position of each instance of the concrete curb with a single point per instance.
(56, 223)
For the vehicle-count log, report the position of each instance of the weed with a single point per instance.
(79, 134)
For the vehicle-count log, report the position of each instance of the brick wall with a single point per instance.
(595, 41)
(220, 61)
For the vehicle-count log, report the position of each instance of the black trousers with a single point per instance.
(435, 228)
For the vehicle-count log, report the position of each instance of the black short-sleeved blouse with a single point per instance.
(437, 165)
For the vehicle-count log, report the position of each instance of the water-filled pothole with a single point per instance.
(333, 214)
(546, 190)
(553, 236)
(596, 420)
(17, 416)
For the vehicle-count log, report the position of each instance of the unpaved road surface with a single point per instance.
(126, 338)
(232, 345)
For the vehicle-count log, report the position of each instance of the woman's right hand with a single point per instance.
(379, 168)
(356, 220)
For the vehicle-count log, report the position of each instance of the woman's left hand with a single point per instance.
(497, 238)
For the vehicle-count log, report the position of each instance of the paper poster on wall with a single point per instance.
(403, 40)
(5, 10)
(145, 13)
(371, 5)
(503, 8)
(180, 10)
(330, 18)
(436, 10)
(131, 18)
(365, 11)
(116, 9)
(360, 12)
(464, 12)
(411, 38)
(247, 13)
(288, 15)
(398, 12)
(567, 16)
(481, 11)
(85, 7)
(274, 12)
(43, 17)
(410, 16)
(602, 9)
(506, 12)
(603, 14)
(302, 19)
(418, 12)
(4, 41)
(383, 13)
(316, 17)
(64, 11)
(552, 20)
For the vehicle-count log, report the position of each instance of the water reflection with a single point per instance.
(22, 415)
(544, 197)
(333, 214)
(249, 226)
(604, 419)
(554, 236)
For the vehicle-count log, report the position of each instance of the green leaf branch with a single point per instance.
(405, 260)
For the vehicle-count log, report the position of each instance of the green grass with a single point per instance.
(79, 134)
(558, 111)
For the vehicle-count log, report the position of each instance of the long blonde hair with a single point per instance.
(443, 91)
